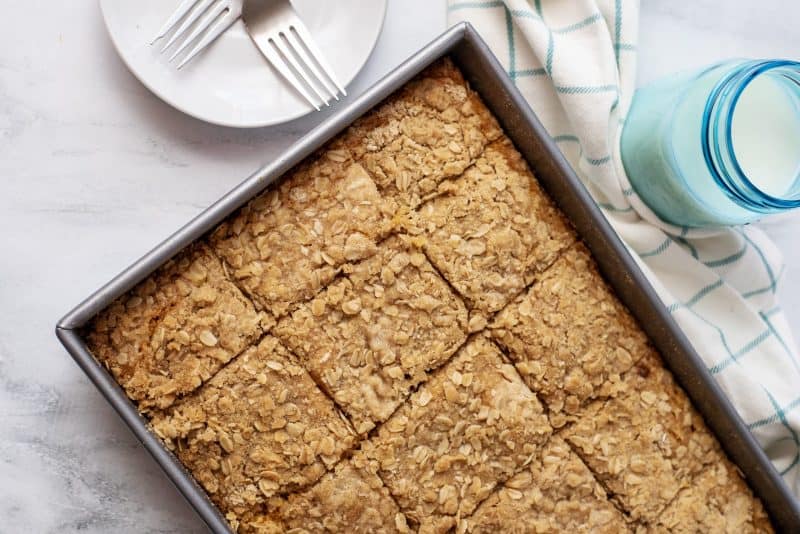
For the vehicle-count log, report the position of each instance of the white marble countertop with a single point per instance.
(95, 170)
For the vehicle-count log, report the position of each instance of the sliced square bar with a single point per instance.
(351, 498)
(371, 336)
(292, 240)
(718, 500)
(569, 336)
(555, 493)
(175, 330)
(646, 443)
(430, 130)
(492, 231)
(259, 427)
(470, 427)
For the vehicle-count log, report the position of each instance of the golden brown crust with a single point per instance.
(646, 443)
(349, 499)
(555, 493)
(569, 336)
(492, 231)
(290, 241)
(256, 523)
(430, 130)
(371, 336)
(258, 428)
(175, 330)
(331, 259)
(471, 426)
(718, 500)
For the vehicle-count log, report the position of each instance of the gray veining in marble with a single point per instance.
(94, 170)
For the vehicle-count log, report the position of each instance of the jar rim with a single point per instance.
(718, 150)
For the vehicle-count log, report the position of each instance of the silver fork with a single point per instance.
(274, 27)
(200, 20)
(285, 41)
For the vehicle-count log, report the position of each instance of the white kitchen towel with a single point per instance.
(574, 61)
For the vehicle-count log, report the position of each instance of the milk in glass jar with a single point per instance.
(720, 146)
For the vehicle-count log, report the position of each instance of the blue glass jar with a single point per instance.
(717, 147)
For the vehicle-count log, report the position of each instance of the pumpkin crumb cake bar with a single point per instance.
(350, 498)
(717, 497)
(258, 428)
(568, 335)
(556, 492)
(371, 336)
(646, 442)
(433, 129)
(285, 245)
(470, 427)
(176, 329)
(492, 230)
(405, 335)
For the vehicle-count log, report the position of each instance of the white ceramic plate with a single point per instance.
(231, 83)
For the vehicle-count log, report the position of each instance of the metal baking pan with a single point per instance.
(488, 78)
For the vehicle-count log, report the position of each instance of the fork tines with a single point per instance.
(293, 52)
(197, 20)
(277, 30)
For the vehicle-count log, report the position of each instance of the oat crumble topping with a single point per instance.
(471, 426)
(556, 492)
(492, 230)
(645, 443)
(717, 500)
(372, 335)
(569, 336)
(260, 427)
(363, 348)
(351, 498)
(288, 243)
(433, 129)
(175, 330)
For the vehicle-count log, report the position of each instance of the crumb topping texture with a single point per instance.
(372, 335)
(556, 492)
(646, 443)
(288, 243)
(176, 329)
(470, 427)
(492, 230)
(717, 500)
(258, 428)
(404, 334)
(432, 130)
(569, 336)
(351, 498)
